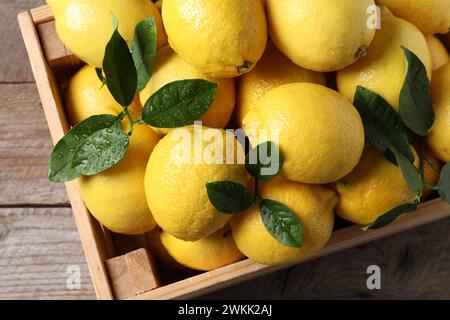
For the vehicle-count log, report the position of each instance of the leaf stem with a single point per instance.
(431, 187)
(140, 121)
(256, 190)
(130, 118)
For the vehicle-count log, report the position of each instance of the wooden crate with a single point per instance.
(121, 267)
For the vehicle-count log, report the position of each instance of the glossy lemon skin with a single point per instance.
(274, 69)
(85, 26)
(116, 197)
(439, 136)
(320, 35)
(86, 96)
(209, 253)
(176, 190)
(168, 66)
(372, 189)
(320, 133)
(383, 70)
(430, 16)
(313, 206)
(439, 54)
(221, 38)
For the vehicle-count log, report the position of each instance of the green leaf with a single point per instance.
(390, 216)
(382, 126)
(119, 69)
(101, 151)
(228, 196)
(179, 103)
(99, 73)
(60, 168)
(143, 50)
(443, 185)
(415, 99)
(281, 223)
(410, 173)
(259, 164)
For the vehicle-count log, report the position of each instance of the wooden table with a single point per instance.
(39, 242)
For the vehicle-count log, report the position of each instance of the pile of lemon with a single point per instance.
(286, 65)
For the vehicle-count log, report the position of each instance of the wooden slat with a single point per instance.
(41, 14)
(39, 250)
(340, 240)
(132, 274)
(56, 54)
(90, 232)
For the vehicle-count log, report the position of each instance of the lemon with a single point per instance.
(273, 70)
(220, 38)
(320, 35)
(169, 67)
(116, 197)
(439, 136)
(86, 97)
(430, 16)
(209, 253)
(439, 54)
(85, 26)
(163, 257)
(372, 189)
(320, 133)
(312, 204)
(181, 165)
(383, 70)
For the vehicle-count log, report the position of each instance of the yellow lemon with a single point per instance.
(169, 67)
(173, 269)
(116, 197)
(181, 165)
(439, 54)
(220, 38)
(273, 70)
(372, 189)
(85, 26)
(320, 133)
(439, 135)
(209, 253)
(383, 69)
(430, 16)
(321, 35)
(86, 97)
(312, 204)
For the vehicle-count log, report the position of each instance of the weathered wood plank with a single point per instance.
(39, 251)
(25, 146)
(15, 66)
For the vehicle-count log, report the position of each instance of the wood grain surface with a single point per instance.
(39, 242)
